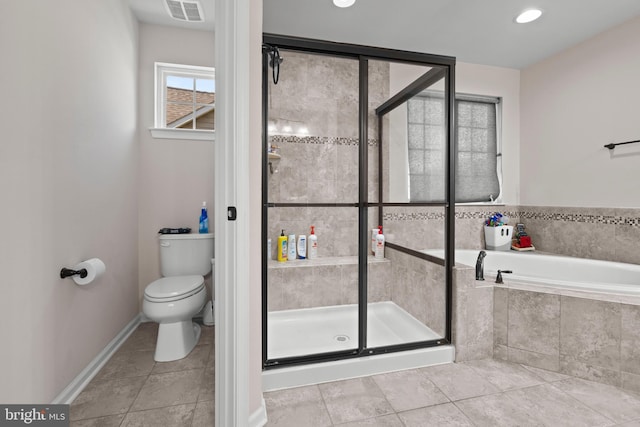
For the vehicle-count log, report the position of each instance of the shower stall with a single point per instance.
(355, 138)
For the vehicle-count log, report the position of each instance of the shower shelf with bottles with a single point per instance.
(323, 262)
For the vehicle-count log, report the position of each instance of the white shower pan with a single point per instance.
(335, 328)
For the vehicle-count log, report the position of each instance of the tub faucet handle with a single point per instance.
(499, 276)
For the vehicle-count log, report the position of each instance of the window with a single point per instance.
(478, 169)
(184, 101)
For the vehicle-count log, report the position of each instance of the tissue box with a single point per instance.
(498, 238)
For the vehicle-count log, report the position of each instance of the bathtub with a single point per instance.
(554, 271)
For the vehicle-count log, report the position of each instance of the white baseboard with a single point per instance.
(259, 416)
(78, 384)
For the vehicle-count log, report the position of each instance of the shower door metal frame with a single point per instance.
(363, 54)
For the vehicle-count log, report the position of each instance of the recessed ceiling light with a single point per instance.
(528, 16)
(344, 3)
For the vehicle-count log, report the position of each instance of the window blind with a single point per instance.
(476, 143)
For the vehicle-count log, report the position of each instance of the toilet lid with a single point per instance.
(174, 287)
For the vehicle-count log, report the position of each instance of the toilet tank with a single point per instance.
(185, 254)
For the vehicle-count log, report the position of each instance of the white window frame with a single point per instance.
(162, 71)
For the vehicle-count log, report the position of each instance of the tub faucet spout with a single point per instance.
(480, 265)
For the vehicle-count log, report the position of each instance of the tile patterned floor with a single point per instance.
(477, 393)
(134, 390)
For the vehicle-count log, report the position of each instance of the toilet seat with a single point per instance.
(173, 288)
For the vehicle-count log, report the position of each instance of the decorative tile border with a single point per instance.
(485, 214)
(519, 216)
(413, 216)
(318, 140)
(421, 216)
(582, 218)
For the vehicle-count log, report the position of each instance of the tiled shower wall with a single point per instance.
(324, 282)
(320, 93)
(419, 288)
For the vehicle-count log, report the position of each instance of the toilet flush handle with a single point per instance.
(165, 244)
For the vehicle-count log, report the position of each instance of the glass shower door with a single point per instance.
(312, 181)
(407, 290)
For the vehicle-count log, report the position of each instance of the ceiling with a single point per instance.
(475, 31)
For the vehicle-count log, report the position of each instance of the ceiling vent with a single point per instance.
(189, 11)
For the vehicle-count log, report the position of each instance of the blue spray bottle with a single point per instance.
(204, 219)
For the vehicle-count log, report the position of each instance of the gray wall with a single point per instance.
(69, 188)
(176, 176)
(573, 104)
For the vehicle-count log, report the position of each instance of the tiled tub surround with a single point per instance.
(590, 333)
(610, 234)
(580, 336)
(473, 316)
(422, 228)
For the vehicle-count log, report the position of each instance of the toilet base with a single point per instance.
(176, 340)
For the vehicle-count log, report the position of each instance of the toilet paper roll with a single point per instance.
(94, 266)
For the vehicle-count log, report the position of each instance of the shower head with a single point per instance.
(274, 58)
(277, 59)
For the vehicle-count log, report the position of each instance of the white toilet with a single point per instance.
(173, 300)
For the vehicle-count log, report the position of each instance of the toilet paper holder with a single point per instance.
(67, 272)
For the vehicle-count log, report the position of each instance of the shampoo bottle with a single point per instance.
(374, 233)
(379, 244)
(313, 244)
(302, 246)
(282, 247)
(204, 219)
(291, 242)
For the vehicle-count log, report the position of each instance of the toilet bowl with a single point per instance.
(172, 302)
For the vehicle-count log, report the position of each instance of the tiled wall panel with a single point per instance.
(583, 337)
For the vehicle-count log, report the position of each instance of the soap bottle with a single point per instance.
(313, 244)
(379, 244)
(204, 219)
(282, 247)
(291, 242)
(302, 246)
